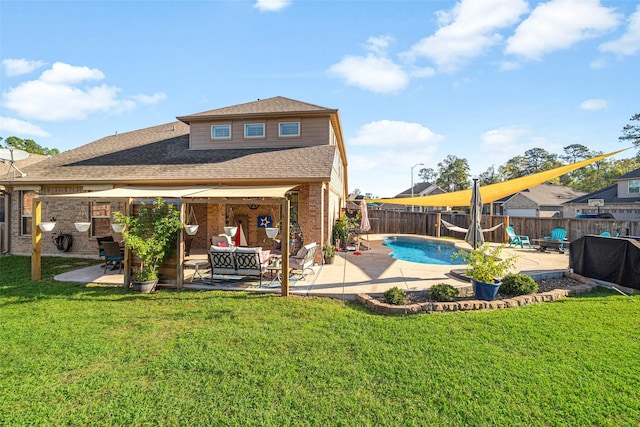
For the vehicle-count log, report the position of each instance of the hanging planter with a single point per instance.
(191, 227)
(80, 223)
(47, 225)
(82, 226)
(118, 228)
(272, 232)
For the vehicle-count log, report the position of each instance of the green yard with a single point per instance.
(90, 355)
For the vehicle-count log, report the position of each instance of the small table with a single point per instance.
(275, 269)
(195, 264)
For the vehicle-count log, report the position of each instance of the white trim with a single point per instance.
(288, 135)
(221, 126)
(262, 125)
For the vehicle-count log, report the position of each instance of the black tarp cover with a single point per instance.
(613, 259)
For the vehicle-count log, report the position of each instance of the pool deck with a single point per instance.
(372, 272)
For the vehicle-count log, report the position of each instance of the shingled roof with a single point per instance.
(278, 105)
(161, 153)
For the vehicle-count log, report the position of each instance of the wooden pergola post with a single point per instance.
(438, 219)
(128, 209)
(36, 239)
(284, 232)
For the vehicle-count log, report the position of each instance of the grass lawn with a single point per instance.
(89, 355)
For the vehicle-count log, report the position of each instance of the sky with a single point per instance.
(414, 81)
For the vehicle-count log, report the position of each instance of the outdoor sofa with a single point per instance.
(238, 261)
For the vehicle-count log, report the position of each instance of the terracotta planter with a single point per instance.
(144, 287)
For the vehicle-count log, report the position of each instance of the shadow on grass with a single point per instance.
(16, 286)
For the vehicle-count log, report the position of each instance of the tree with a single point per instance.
(453, 174)
(30, 146)
(490, 176)
(514, 168)
(428, 175)
(631, 133)
(576, 152)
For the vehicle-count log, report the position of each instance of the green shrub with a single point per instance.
(518, 284)
(443, 292)
(395, 296)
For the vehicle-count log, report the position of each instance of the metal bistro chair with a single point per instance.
(112, 253)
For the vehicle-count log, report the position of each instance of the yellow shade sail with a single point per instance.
(493, 192)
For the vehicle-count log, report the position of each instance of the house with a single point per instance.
(420, 189)
(11, 171)
(544, 201)
(621, 199)
(234, 158)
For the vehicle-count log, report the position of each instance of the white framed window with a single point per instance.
(254, 130)
(289, 129)
(100, 219)
(26, 212)
(220, 131)
(634, 186)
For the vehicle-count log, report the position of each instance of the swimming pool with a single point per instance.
(421, 250)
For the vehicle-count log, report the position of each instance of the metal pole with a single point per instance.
(417, 164)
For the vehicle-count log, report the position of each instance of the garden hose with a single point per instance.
(63, 242)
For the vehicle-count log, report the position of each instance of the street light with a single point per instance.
(417, 164)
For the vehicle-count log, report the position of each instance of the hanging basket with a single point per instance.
(271, 232)
(82, 226)
(191, 229)
(118, 228)
(47, 225)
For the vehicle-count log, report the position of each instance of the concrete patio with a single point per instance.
(372, 272)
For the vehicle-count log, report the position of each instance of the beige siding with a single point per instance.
(313, 131)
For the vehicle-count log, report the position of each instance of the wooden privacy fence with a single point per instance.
(392, 222)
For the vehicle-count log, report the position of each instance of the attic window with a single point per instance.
(220, 131)
(254, 130)
(289, 129)
(634, 186)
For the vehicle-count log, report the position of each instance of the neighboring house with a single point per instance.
(275, 142)
(419, 189)
(544, 201)
(11, 172)
(621, 199)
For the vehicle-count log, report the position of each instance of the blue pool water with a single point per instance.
(422, 251)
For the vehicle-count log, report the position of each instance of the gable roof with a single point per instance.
(160, 154)
(630, 175)
(548, 194)
(608, 194)
(419, 188)
(278, 105)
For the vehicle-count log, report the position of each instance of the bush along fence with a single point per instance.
(423, 223)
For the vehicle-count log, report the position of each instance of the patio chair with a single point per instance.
(100, 240)
(112, 253)
(556, 240)
(303, 260)
(515, 239)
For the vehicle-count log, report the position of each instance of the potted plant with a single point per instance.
(329, 253)
(151, 237)
(341, 231)
(486, 268)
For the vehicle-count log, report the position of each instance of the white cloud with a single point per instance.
(374, 73)
(629, 43)
(17, 67)
(509, 65)
(14, 127)
(467, 31)
(389, 133)
(504, 136)
(56, 96)
(271, 5)
(598, 64)
(61, 73)
(559, 24)
(594, 104)
(150, 99)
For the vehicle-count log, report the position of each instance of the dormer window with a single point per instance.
(254, 130)
(220, 131)
(634, 186)
(289, 129)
